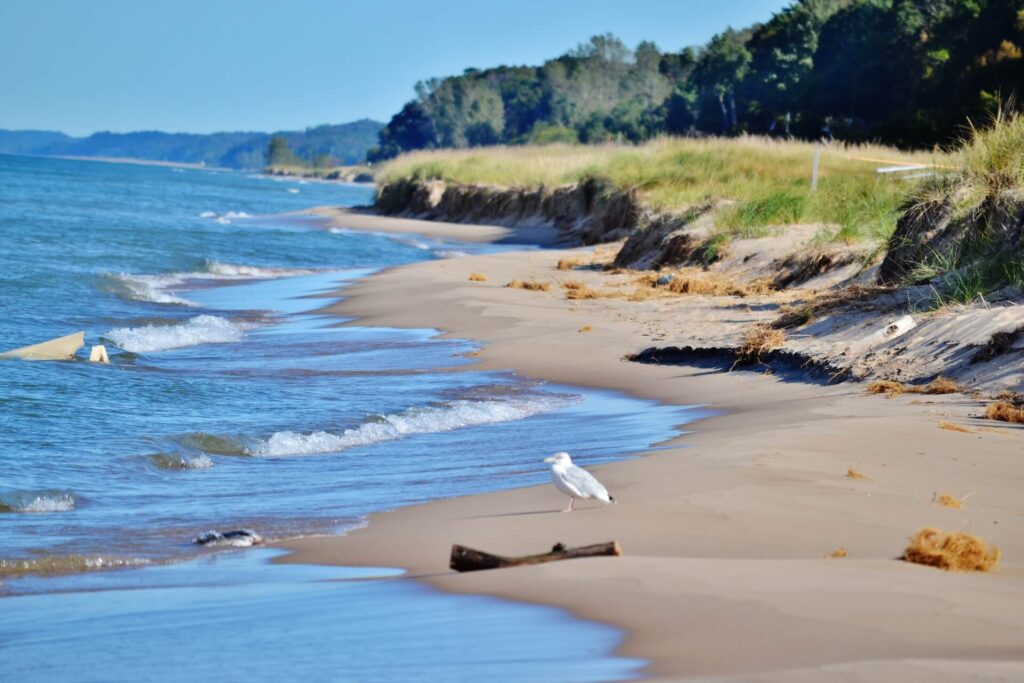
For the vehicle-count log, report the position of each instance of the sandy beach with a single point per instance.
(727, 531)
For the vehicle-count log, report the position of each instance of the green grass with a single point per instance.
(765, 183)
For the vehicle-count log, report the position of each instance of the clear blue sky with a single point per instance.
(80, 66)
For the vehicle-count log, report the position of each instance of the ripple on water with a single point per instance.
(175, 461)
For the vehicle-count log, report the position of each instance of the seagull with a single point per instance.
(574, 481)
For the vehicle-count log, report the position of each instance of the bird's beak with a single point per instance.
(549, 459)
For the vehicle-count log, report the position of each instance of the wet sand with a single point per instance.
(726, 533)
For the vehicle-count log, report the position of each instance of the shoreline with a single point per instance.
(726, 531)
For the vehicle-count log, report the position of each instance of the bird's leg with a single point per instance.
(572, 501)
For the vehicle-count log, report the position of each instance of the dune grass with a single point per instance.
(988, 163)
(763, 182)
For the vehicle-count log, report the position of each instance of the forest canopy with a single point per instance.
(903, 72)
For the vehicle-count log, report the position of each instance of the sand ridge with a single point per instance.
(726, 533)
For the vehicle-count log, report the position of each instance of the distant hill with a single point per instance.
(346, 142)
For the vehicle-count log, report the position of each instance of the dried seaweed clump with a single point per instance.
(857, 296)
(569, 263)
(586, 328)
(838, 552)
(531, 285)
(953, 427)
(887, 387)
(577, 290)
(477, 277)
(940, 385)
(854, 474)
(1004, 412)
(693, 281)
(955, 551)
(759, 340)
(948, 500)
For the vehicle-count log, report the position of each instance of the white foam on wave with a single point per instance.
(159, 288)
(61, 503)
(152, 288)
(293, 190)
(224, 218)
(423, 420)
(38, 501)
(202, 329)
(231, 271)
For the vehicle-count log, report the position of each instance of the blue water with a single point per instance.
(231, 401)
(248, 620)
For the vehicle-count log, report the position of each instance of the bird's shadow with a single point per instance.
(514, 514)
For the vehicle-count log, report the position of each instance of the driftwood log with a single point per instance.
(468, 560)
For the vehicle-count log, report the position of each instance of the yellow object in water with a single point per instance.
(62, 348)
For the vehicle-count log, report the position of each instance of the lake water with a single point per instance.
(230, 402)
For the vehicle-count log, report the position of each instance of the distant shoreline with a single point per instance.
(137, 162)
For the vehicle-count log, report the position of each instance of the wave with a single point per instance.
(153, 288)
(157, 288)
(37, 501)
(202, 329)
(213, 443)
(230, 271)
(224, 218)
(425, 420)
(171, 461)
(66, 564)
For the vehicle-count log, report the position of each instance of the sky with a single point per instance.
(81, 66)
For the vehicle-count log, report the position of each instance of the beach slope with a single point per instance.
(729, 532)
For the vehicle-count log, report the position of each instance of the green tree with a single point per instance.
(721, 67)
(781, 58)
(279, 153)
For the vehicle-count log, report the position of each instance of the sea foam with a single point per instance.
(424, 420)
(152, 288)
(37, 501)
(231, 271)
(202, 329)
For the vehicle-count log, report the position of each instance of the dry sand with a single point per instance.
(726, 533)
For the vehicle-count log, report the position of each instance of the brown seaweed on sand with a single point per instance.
(954, 551)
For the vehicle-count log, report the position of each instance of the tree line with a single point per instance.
(904, 72)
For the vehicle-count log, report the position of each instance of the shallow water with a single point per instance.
(233, 617)
(231, 402)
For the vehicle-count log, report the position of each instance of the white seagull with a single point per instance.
(574, 481)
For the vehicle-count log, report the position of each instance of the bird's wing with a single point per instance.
(585, 483)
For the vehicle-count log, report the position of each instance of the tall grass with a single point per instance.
(765, 182)
(991, 160)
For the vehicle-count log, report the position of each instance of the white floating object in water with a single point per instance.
(62, 348)
(99, 355)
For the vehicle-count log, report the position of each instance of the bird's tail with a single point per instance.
(612, 500)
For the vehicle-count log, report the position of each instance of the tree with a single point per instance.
(279, 153)
(781, 58)
(720, 68)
